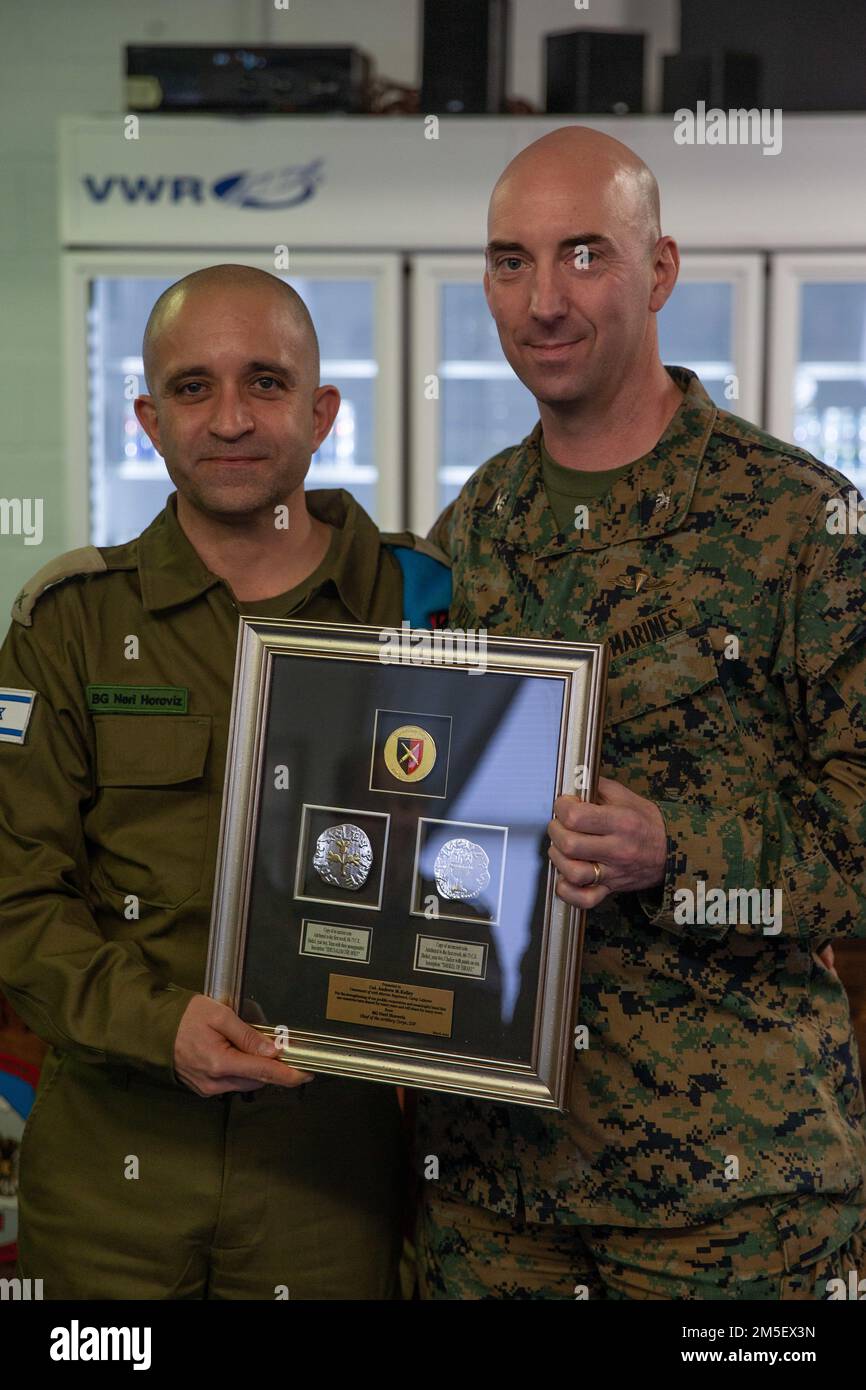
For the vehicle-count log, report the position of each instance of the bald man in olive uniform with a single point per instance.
(715, 1145)
(143, 1172)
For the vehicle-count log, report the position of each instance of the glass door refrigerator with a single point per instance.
(818, 380)
(466, 403)
(117, 481)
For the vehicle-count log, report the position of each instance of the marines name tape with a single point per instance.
(137, 699)
(657, 627)
(16, 707)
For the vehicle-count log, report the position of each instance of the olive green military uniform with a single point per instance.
(132, 1186)
(715, 1143)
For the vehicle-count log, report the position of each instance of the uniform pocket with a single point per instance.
(52, 1067)
(660, 676)
(149, 824)
(821, 1250)
(670, 726)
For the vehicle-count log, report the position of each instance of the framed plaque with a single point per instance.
(384, 905)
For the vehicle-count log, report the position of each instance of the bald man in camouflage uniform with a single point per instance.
(714, 1145)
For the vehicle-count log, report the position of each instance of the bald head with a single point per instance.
(577, 268)
(235, 405)
(584, 163)
(203, 286)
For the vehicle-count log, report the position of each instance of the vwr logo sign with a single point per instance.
(277, 188)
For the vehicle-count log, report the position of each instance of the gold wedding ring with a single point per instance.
(596, 869)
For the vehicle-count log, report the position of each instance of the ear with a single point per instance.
(326, 403)
(486, 283)
(145, 411)
(666, 268)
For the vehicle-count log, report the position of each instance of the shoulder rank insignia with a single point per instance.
(87, 559)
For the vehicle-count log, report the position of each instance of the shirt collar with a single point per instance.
(653, 497)
(171, 572)
(354, 559)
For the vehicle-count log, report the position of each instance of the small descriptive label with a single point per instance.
(335, 942)
(443, 957)
(389, 1004)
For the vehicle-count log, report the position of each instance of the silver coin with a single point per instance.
(462, 870)
(343, 857)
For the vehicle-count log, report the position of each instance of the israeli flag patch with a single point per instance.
(16, 706)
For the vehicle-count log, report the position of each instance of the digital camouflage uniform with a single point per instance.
(109, 824)
(707, 1042)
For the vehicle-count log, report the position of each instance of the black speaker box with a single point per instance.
(464, 55)
(594, 71)
(723, 79)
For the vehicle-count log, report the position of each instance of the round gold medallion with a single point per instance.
(410, 753)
